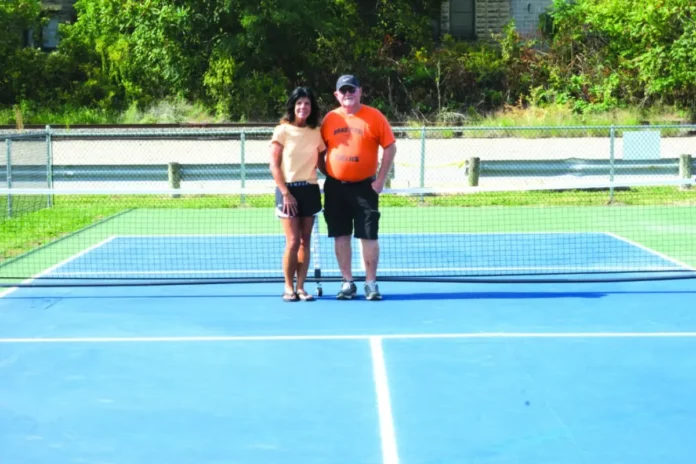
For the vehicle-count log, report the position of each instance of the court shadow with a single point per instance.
(387, 296)
(138, 297)
(491, 295)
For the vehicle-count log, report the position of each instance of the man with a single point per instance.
(353, 133)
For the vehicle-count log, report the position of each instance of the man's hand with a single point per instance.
(384, 168)
(378, 185)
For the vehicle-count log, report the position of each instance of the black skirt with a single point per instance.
(308, 198)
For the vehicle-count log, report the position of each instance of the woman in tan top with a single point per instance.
(295, 148)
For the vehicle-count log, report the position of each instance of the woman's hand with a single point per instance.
(289, 204)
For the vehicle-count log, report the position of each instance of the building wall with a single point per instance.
(492, 15)
(60, 9)
(526, 14)
(444, 17)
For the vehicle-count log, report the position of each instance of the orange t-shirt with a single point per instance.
(353, 142)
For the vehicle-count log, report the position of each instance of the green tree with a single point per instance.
(241, 56)
(18, 18)
(606, 52)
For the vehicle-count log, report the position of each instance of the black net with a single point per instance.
(576, 233)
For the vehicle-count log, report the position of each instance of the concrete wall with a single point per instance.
(492, 15)
(61, 10)
(526, 14)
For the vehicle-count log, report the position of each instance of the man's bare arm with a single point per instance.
(321, 162)
(388, 155)
(387, 161)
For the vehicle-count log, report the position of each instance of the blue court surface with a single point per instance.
(435, 373)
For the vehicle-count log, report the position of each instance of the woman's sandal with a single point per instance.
(304, 296)
(289, 296)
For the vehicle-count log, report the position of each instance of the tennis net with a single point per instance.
(578, 232)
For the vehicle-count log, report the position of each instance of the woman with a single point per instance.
(295, 149)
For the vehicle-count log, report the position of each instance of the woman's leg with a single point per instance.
(291, 227)
(306, 225)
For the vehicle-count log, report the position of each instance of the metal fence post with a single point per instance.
(612, 138)
(242, 165)
(49, 165)
(422, 162)
(8, 148)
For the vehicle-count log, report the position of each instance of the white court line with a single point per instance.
(62, 263)
(116, 274)
(199, 235)
(651, 251)
(390, 454)
(416, 336)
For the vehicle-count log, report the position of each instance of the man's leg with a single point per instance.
(344, 256)
(367, 230)
(370, 249)
(339, 220)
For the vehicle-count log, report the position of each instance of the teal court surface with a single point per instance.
(595, 372)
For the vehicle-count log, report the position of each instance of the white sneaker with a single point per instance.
(372, 292)
(348, 291)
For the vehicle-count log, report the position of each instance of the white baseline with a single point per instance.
(414, 336)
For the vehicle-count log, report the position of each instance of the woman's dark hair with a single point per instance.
(299, 92)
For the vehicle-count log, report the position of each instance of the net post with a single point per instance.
(49, 165)
(612, 140)
(474, 171)
(685, 169)
(174, 176)
(242, 165)
(422, 161)
(8, 148)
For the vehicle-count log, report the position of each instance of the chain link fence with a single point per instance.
(427, 157)
(491, 157)
(25, 163)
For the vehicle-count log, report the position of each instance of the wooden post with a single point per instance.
(242, 167)
(685, 169)
(474, 170)
(19, 120)
(174, 175)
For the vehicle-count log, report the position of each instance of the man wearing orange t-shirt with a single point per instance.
(353, 134)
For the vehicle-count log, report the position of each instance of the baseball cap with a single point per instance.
(348, 80)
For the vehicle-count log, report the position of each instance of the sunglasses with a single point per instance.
(345, 90)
